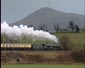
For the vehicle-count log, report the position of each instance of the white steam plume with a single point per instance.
(18, 31)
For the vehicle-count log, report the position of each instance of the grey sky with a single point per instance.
(14, 10)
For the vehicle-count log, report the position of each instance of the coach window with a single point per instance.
(22, 45)
(16, 45)
(4, 45)
(26, 45)
(9, 45)
(1, 45)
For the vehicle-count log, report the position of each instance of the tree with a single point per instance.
(3, 38)
(64, 29)
(77, 29)
(43, 27)
(31, 25)
(66, 42)
(71, 25)
(57, 27)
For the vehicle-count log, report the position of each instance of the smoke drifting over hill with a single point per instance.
(15, 32)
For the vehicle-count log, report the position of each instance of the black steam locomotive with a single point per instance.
(46, 47)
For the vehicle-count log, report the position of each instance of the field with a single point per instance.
(42, 66)
(50, 57)
(77, 39)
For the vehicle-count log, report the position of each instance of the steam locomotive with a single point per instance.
(30, 47)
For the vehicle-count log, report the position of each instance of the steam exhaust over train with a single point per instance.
(15, 32)
(29, 32)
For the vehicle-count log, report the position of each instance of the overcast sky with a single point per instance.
(14, 10)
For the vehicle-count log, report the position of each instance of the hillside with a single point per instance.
(50, 17)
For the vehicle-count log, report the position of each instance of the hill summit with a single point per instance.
(48, 17)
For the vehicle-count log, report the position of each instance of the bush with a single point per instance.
(78, 55)
(66, 42)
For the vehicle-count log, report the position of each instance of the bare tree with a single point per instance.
(31, 25)
(43, 27)
(71, 25)
(77, 29)
(57, 27)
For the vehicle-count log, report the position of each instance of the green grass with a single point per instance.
(78, 39)
(75, 37)
(42, 66)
